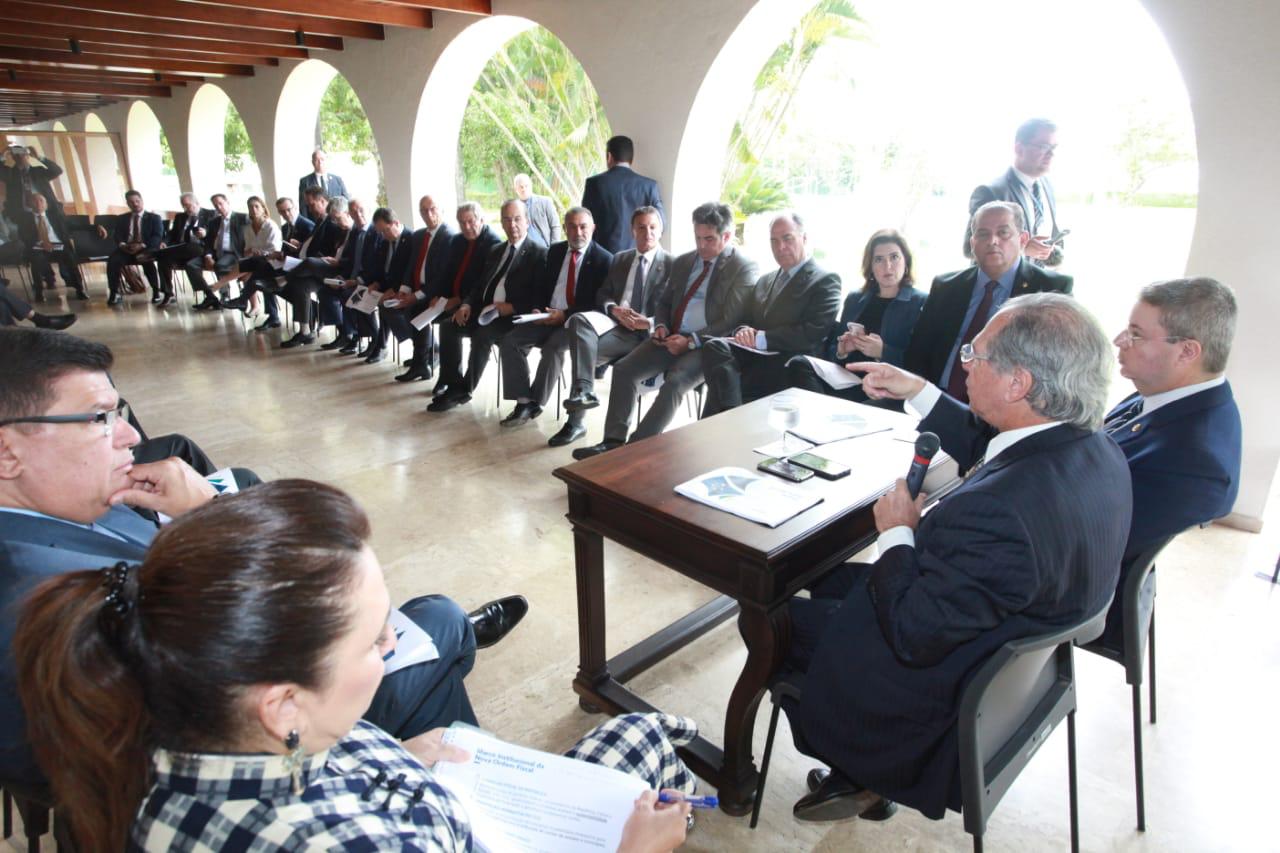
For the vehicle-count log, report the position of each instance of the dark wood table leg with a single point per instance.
(768, 635)
(588, 550)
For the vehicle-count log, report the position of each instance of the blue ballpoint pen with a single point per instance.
(695, 802)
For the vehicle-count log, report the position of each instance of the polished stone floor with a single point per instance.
(462, 507)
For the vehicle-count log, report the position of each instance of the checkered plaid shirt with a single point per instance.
(366, 793)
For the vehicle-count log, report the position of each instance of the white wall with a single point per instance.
(648, 62)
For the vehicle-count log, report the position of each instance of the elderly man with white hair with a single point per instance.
(544, 225)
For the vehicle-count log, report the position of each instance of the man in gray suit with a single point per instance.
(787, 314)
(1026, 184)
(705, 298)
(327, 182)
(544, 225)
(629, 296)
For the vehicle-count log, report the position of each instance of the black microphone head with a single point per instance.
(927, 445)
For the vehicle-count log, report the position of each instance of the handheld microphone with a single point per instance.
(927, 445)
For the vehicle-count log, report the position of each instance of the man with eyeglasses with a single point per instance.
(67, 481)
(1181, 431)
(1029, 542)
(960, 303)
(1026, 184)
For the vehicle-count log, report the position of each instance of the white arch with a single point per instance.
(296, 112)
(142, 141)
(206, 149)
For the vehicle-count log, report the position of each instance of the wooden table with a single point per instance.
(627, 495)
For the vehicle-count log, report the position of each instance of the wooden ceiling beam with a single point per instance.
(141, 78)
(25, 13)
(96, 49)
(415, 17)
(11, 29)
(78, 87)
(470, 7)
(179, 10)
(98, 61)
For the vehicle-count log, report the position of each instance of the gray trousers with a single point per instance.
(682, 374)
(587, 351)
(514, 349)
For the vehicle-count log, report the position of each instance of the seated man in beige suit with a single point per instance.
(787, 314)
(706, 293)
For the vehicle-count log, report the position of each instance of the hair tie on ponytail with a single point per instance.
(119, 597)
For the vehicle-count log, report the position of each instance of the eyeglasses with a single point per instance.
(107, 419)
(1128, 339)
(968, 354)
(1043, 147)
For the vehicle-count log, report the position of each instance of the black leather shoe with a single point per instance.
(440, 390)
(53, 321)
(114, 299)
(155, 298)
(521, 414)
(596, 449)
(297, 341)
(238, 304)
(833, 796)
(268, 326)
(82, 295)
(581, 402)
(494, 620)
(375, 356)
(447, 402)
(337, 343)
(413, 374)
(350, 348)
(165, 301)
(568, 434)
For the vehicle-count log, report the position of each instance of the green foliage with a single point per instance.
(752, 183)
(167, 166)
(533, 110)
(1150, 143)
(237, 149)
(342, 124)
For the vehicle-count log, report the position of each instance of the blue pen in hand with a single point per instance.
(695, 802)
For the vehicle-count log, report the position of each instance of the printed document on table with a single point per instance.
(600, 322)
(756, 497)
(529, 318)
(833, 374)
(521, 799)
(424, 319)
(413, 645)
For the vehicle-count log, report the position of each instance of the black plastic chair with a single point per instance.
(34, 804)
(1138, 614)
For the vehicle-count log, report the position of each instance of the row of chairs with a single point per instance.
(1021, 694)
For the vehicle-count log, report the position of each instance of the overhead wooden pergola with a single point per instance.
(59, 57)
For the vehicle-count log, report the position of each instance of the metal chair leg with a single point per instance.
(1137, 758)
(977, 844)
(764, 765)
(1071, 782)
(1151, 667)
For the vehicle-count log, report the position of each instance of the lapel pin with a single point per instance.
(1135, 428)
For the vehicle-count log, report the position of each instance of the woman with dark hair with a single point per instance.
(877, 321)
(262, 241)
(210, 697)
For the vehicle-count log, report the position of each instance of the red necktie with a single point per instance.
(572, 278)
(462, 269)
(678, 318)
(421, 262)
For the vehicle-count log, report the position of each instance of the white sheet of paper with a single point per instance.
(290, 263)
(794, 444)
(413, 645)
(521, 799)
(520, 319)
(364, 300)
(600, 322)
(756, 497)
(833, 374)
(488, 315)
(424, 319)
(752, 349)
(393, 303)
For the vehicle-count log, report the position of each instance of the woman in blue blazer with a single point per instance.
(877, 321)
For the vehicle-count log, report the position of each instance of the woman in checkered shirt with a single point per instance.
(210, 698)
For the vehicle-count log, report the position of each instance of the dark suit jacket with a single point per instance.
(794, 318)
(325, 239)
(27, 231)
(1002, 557)
(336, 186)
(151, 229)
(612, 197)
(368, 252)
(896, 327)
(1008, 187)
(437, 256)
(727, 292)
(236, 222)
(592, 269)
(614, 286)
(938, 328)
(474, 271)
(32, 550)
(299, 230)
(522, 276)
(177, 234)
(382, 277)
(41, 182)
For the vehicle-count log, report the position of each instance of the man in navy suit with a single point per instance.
(327, 182)
(1029, 543)
(566, 285)
(613, 195)
(1026, 184)
(1181, 431)
(67, 480)
(182, 244)
(293, 228)
(429, 247)
(137, 234)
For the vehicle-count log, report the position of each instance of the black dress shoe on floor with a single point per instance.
(522, 414)
(83, 296)
(833, 796)
(596, 449)
(297, 341)
(375, 356)
(337, 343)
(350, 348)
(568, 434)
(413, 374)
(268, 326)
(448, 401)
(114, 299)
(494, 620)
(440, 390)
(156, 298)
(239, 304)
(53, 321)
(581, 402)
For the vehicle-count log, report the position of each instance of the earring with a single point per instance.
(293, 761)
